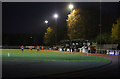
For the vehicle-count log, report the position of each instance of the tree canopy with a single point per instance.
(49, 37)
(116, 32)
(83, 23)
(75, 25)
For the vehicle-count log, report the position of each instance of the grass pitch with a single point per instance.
(17, 54)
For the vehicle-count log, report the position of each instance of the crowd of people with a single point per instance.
(68, 49)
(84, 49)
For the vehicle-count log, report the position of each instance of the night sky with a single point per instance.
(29, 17)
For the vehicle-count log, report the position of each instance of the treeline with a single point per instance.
(88, 23)
(81, 23)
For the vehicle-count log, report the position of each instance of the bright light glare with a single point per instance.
(46, 21)
(71, 6)
(55, 15)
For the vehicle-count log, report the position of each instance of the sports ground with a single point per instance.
(32, 64)
(42, 55)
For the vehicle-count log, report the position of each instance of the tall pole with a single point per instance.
(100, 27)
(71, 37)
(46, 22)
(56, 16)
(56, 32)
(71, 7)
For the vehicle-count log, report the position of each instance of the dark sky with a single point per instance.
(24, 17)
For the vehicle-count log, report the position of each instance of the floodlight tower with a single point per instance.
(46, 21)
(71, 8)
(56, 17)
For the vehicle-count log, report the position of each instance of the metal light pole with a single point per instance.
(46, 22)
(100, 37)
(100, 27)
(56, 16)
(71, 8)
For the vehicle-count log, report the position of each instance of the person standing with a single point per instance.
(30, 48)
(22, 47)
(88, 49)
(42, 48)
(38, 48)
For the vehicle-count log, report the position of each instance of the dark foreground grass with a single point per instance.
(17, 54)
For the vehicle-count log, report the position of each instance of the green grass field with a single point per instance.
(17, 54)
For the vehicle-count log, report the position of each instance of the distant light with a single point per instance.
(30, 37)
(71, 6)
(46, 21)
(56, 16)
